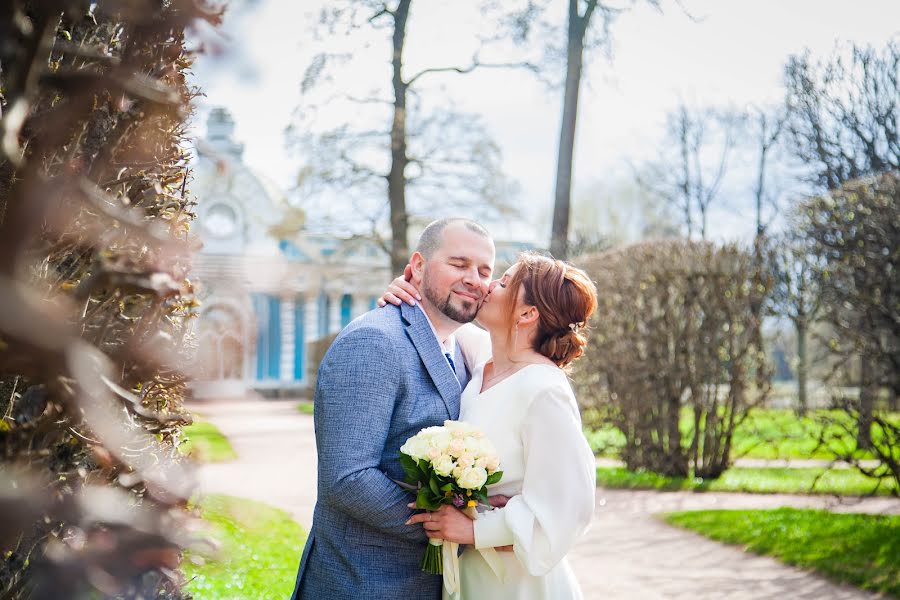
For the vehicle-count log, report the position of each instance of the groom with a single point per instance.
(389, 374)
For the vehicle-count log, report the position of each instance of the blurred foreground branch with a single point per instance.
(94, 302)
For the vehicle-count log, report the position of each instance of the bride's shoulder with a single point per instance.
(548, 385)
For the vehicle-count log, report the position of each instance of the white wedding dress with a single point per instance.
(549, 472)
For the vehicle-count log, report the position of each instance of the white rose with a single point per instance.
(441, 440)
(444, 465)
(473, 478)
(481, 462)
(466, 460)
(433, 453)
(415, 447)
(478, 447)
(456, 447)
(492, 463)
(487, 448)
(457, 472)
(459, 429)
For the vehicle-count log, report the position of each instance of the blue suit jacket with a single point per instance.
(383, 379)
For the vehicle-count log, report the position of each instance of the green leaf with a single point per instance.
(494, 478)
(433, 485)
(424, 501)
(410, 467)
(447, 487)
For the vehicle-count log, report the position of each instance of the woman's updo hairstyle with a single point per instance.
(565, 298)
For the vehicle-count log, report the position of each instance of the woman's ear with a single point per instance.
(528, 315)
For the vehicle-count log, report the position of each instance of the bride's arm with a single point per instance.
(557, 500)
(400, 290)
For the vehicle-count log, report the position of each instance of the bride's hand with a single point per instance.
(401, 290)
(446, 523)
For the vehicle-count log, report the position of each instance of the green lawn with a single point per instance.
(306, 407)
(261, 549)
(863, 550)
(204, 442)
(765, 434)
(763, 480)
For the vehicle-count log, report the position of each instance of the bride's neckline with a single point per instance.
(508, 377)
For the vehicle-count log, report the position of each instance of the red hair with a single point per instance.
(565, 298)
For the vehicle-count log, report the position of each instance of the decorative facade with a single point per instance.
(268, 288)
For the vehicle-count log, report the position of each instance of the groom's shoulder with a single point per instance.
(378, 324)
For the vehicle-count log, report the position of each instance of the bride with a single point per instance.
(521, 398)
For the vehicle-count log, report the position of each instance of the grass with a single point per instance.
(306, 407)
(206, 443)
(261, 549)
(862, 550)
(762, 480)
(765, 434)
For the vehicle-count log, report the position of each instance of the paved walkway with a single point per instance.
(627, 555)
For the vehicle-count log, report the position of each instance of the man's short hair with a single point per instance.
(431, 237)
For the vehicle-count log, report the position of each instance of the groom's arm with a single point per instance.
(357, 387)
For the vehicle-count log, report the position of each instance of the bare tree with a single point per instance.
(796, 295)
(844, 112)
(767, 128)
(855, 232)
(844, 122)
(587, 29)
(440, 153)
(693, 163)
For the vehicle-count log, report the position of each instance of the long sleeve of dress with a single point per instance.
(557, 500)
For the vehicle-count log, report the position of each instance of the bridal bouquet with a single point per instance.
(452, 464)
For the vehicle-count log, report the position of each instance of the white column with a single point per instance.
(287, 339)
(311, 327)
(334, 316)
(311, 317)
(360, 305)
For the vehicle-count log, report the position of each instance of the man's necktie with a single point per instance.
(450, 360)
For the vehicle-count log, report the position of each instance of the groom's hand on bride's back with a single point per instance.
(401, 290)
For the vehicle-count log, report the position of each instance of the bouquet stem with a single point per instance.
(433, 559)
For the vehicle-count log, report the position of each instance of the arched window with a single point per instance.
(221, 334)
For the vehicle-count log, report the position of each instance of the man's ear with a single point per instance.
(417, 265)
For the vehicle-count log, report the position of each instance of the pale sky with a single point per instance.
(733, 54)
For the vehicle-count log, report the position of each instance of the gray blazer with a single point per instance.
(383, 379)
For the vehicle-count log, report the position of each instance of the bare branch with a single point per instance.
(476, 64)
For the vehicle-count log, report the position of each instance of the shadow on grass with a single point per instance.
(862, 550)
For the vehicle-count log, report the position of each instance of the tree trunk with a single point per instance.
(802, 402)
(559, 240)
(686, 171)
(399, 159)
(866, 402)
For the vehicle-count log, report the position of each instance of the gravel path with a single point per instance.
(628, 554)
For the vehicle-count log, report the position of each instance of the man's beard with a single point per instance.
(458, 314)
